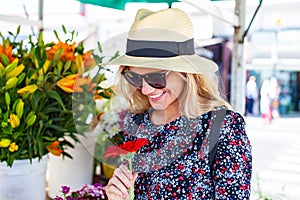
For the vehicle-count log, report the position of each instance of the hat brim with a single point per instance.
(185, 63)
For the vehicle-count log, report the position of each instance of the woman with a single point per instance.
(175, 103)
(265, 102)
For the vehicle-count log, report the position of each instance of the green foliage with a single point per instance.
(261, 194)
(48, 95)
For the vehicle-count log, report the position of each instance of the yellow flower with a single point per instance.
(45, 67)
(28, 89)
(12, 82)
(20, 108)
(4, 142)
(14, 120)
(15, 72)
(13, 147)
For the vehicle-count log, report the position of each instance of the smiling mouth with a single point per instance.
(156, 96)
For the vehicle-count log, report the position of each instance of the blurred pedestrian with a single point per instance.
(265, 102)
(274, 97)
(251, 94)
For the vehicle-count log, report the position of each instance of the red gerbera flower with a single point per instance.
(125, 148)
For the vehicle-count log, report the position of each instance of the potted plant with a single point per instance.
(40, 84)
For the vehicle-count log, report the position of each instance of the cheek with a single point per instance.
(177, 88)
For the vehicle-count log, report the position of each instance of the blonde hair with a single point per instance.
(201, 94)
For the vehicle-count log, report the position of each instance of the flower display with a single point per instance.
(49, 93)
(95, 191)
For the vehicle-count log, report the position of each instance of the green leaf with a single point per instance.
(54, 95)
(56, 34)
(67, 155)
(67, 66)
(17, 134)
(40, 39)
(41, 56)
(64, 29)
(99, 47)
(66, 142)
(7, 130)
(21, 78)
(117, 54)
(50, 139)
(51, 110)
(4, 59)
(18, 29)
(57, 128)
(98, 59)
(30, 72)
(36, 97)
(7, 100)
(57, 56)
(15, 104)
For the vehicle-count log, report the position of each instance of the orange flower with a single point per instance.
(98, 97)
(54, 148)
(7, 50)
(125, 148)
(73, 83)
(84, 81)
(67, 83)
(68, 51)
(88, 61)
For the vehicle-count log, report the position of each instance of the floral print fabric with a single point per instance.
(175, 163)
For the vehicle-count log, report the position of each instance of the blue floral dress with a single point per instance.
(175, 162)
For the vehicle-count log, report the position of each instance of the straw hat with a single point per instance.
(163, 40)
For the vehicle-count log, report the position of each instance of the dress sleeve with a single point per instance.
(233, 162)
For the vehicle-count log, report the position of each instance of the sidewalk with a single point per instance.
(276, 157)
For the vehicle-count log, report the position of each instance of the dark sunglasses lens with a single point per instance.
(156, 80)
(134, 79)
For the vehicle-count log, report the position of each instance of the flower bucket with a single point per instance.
(108, 170)
(72, 172)
(24, 180)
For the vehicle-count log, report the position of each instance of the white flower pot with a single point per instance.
(72, 172)
(24, 180)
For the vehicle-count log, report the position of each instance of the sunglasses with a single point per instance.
(156, 79)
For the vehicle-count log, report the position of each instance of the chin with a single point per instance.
(158, 106)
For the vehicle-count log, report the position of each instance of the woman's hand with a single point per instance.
(119, 184)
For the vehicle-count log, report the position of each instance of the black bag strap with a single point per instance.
(214, 136)
(137, 122)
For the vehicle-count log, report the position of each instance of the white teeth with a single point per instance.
(156, 95)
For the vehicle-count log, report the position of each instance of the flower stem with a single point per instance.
(131, 192)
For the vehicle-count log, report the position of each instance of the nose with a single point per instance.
(146, 88)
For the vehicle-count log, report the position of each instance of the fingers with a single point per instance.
(113, 193)
(135, 175)
(124, 175)
(119, 184)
